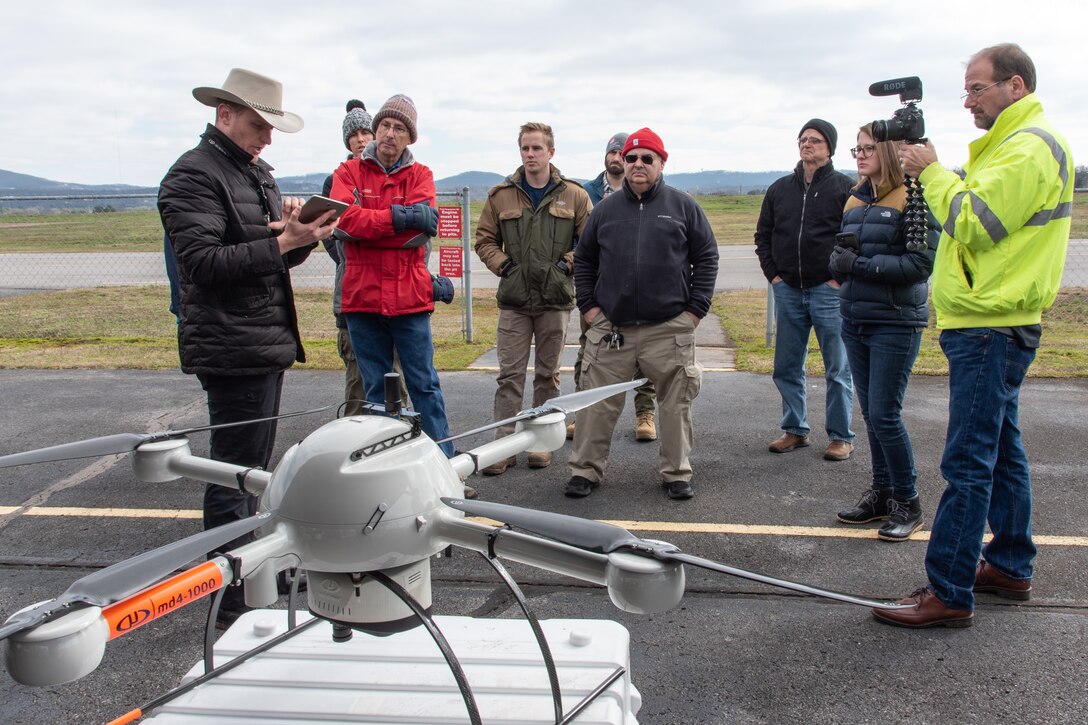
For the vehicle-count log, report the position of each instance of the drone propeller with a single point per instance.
(602, 538)
(125, 442)
(566, 404)
(124, 578)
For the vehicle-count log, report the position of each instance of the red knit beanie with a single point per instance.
(644, 138)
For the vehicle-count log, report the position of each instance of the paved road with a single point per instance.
(733, 651)
(21, 273)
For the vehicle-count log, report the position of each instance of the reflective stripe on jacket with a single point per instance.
(1005, 226)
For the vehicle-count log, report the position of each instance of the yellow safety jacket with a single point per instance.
(1005, 227)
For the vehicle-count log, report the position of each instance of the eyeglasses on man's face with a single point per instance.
(974, 93)
(647, 159)
(814, 140)
(863, 152)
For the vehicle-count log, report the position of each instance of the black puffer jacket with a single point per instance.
(887, 285)
(237, 305)
(796, 229)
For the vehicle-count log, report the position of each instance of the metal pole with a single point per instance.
(466, 265)
(770, 316)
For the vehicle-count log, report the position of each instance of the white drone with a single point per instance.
(361, 505)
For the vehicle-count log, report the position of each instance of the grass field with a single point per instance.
(733, 219)
(129, 327)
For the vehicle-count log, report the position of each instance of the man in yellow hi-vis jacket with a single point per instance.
(998, 267)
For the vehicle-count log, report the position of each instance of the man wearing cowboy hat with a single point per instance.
(235, 239)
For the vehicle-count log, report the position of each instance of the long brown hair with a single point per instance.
(891, 171)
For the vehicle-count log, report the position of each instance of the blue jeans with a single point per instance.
(797, 312)
(880, 365)
(374, 337)
(984, 465)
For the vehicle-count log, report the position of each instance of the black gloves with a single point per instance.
(442, 289)
(842, 261)
(415, 216)
(507, 267)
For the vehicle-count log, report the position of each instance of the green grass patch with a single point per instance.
(732, 217)
(1063, 354)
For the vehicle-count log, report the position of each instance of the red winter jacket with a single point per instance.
(380, 276)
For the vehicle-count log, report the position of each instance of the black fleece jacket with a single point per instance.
(646, 260)
(796, 229)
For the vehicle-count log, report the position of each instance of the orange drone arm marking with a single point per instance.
(174, 593)
(131, 716)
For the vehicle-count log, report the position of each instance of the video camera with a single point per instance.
(907, 123)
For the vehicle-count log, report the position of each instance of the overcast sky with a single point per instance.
(100, 92)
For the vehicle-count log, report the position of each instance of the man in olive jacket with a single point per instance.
(235, 240)
(526, 235)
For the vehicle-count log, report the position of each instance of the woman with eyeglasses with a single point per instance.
(884, 309)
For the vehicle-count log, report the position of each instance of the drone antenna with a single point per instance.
(392, 393)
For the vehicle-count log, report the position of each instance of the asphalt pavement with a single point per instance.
(733, 651)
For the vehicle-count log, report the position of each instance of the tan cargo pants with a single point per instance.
(665, 352)
(518, 331)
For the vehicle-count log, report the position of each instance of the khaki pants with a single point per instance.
(665, 353)
(518, 330)
(645, 395)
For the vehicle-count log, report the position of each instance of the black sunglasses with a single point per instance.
(646, 158)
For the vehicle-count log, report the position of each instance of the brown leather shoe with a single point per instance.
(927, 611)
(838, 451)
(497, 469)
(570, 431)
(645, 430)
(787, 442)
(540, 460)
(990, 580)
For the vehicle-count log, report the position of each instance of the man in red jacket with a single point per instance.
(387, 294)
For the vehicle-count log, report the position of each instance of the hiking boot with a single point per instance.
(579, 487)
(470, 493)
(645, 430)
(904, 518)
(497, 469)
(787, 442)
(872, 506)
(540, 460)
(838, 451)
(570, 431)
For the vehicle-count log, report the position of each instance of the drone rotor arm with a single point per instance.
(671, 553)
(566, 404)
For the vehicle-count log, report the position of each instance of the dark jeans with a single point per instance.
(984, 465)
(374, 338)
(880, 365)
(234, 398)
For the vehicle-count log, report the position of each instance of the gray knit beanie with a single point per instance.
(401, 108)
(356, 120)
(616, 142)
(826, 130)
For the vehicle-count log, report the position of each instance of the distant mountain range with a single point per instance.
(124, 196)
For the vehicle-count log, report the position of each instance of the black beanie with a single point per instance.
(826, 130)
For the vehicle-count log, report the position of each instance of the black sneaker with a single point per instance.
(872, 506)
(905, 517)
(678, 490)
(579, 487)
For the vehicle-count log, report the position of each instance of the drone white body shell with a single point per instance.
(353, 504)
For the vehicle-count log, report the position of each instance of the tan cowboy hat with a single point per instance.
(261, 93)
